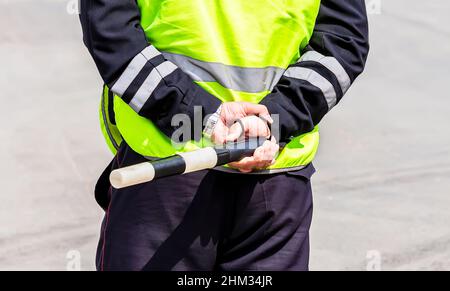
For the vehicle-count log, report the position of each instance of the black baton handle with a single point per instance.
(182, 163)
(227, 153)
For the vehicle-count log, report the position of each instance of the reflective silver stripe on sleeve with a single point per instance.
(331, 64)
(150, 52)
(133, 69)
(250, 80)
(316, 80)
(150, 84)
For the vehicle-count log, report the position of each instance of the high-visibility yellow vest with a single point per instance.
(237, 50)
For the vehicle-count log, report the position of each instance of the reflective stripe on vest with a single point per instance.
(109, 129)
(237, 50)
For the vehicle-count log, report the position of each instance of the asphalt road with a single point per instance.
(382, 195)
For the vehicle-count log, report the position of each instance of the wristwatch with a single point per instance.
(211, 123)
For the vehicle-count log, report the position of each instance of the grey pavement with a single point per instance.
(382, 187)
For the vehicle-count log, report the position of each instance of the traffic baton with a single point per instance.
(183, 163)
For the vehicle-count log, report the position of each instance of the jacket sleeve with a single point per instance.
(336, 55)
(135, 70)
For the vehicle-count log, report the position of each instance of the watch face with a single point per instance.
(210, 124)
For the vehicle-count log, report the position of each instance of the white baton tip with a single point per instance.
(198, 160)
(133, 175)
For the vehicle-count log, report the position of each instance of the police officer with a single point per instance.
(245, 65)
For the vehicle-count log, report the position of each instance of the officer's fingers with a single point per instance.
(251, 126)
(263, 157)
(257, 109)
(245, 165)
(270, 147)
(266, 154)
(262, 165)
(273, 146)
(231, 111)
(261, 154)
(220, 133)
(255, 126)
(274, 140)
(249, 164)
(235, 131)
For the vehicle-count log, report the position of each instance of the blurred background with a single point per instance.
(382, 197)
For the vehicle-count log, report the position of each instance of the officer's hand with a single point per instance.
(227, 127)
(263, 157)
(250, 126)
(232, 111)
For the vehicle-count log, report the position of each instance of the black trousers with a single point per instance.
(208, 220)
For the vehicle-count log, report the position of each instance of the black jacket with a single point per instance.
(306, 92)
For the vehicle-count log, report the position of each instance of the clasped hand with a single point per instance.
(242, 119)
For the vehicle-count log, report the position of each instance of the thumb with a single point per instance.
(235, 132)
